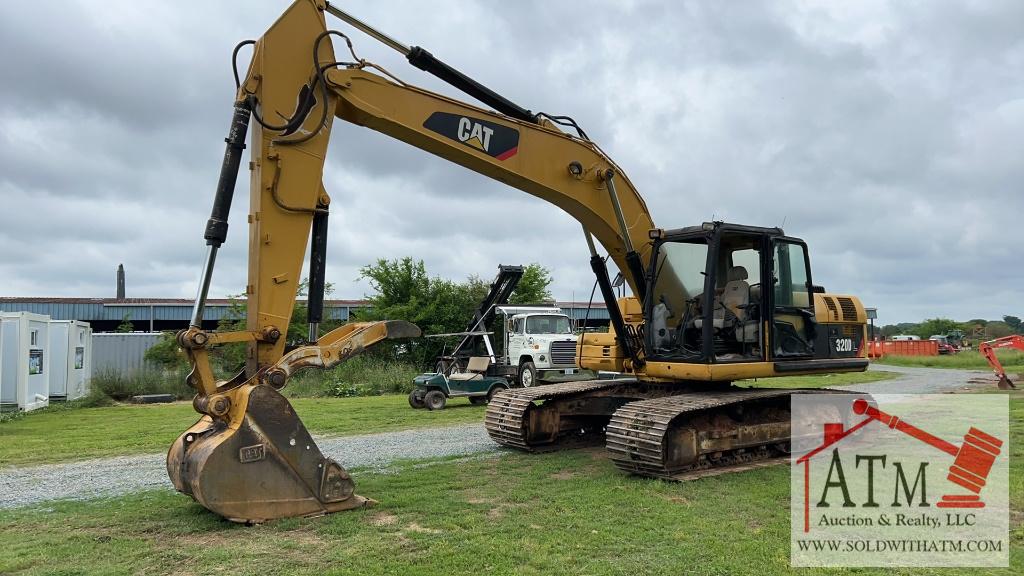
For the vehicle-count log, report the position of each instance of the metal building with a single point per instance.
(122, 352)
(156, 314)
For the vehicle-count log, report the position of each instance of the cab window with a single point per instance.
(518, 325)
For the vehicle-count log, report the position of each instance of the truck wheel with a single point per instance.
(434, 400)
(527, 374)
(494, 390)
(416, 399)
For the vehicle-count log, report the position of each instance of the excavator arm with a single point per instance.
(291, 94)
(988, 350)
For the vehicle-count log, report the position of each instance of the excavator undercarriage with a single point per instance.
(674, 431)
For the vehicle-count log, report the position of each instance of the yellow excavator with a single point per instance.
(712, 303)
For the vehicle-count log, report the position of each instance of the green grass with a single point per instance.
(134, 429)
(1012, 360)
(558, 513)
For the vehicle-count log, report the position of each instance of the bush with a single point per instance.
(118, 386)
(360, 376)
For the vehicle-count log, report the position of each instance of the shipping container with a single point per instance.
(70, 359)
(24, 381)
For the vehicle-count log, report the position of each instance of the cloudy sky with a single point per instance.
(889, 135)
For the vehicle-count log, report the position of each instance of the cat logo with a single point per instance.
(499, 142)
(474, 133)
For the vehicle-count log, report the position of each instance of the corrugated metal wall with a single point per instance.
(140, 313)
(121, 352)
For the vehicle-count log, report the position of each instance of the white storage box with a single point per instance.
(24, 379)
(70, 359)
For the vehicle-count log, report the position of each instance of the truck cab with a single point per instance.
(538, 340)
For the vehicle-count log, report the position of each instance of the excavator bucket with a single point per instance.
(1005, 383)
(259, 462)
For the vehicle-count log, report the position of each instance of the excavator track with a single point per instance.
(697, 434)
(557, 416)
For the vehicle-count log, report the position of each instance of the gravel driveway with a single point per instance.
(113, 476)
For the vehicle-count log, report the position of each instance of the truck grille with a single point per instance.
(563, 353)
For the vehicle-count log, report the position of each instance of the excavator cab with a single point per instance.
(729, 293)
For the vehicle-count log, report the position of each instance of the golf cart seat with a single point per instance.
(475, 369)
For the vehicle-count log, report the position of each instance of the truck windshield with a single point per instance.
(548, 325)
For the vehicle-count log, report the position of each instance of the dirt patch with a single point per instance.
(414, 527)
(563, 475)
(677, 500)
(495, 513)
(382, 519)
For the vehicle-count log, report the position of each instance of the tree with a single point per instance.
(126, 323)
(890, 330)
(997, 329)
(404, 291)
(1014, 323)
(533, 287)
(936, 326)
(396, 282)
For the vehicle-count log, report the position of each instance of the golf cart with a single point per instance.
(433, 390)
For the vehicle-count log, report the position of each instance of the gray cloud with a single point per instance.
(887, 134)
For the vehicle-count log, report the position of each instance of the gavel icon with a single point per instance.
(972, 461)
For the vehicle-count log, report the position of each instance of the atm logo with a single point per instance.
(495, 140)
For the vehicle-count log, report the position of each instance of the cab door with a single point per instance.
(516, 340)
(793, 326)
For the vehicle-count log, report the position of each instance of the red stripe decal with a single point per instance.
(508, 154)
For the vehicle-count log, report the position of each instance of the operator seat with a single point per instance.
(737, 297)
(734, 297)
(736, 294)
(475, 369)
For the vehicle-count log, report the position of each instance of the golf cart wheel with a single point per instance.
(434, 400)
(416, 399)
(527, 374)
(494, 390)
(478, 400)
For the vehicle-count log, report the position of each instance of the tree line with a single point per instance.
(974, 329)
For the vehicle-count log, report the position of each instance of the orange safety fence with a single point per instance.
(903, 348)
